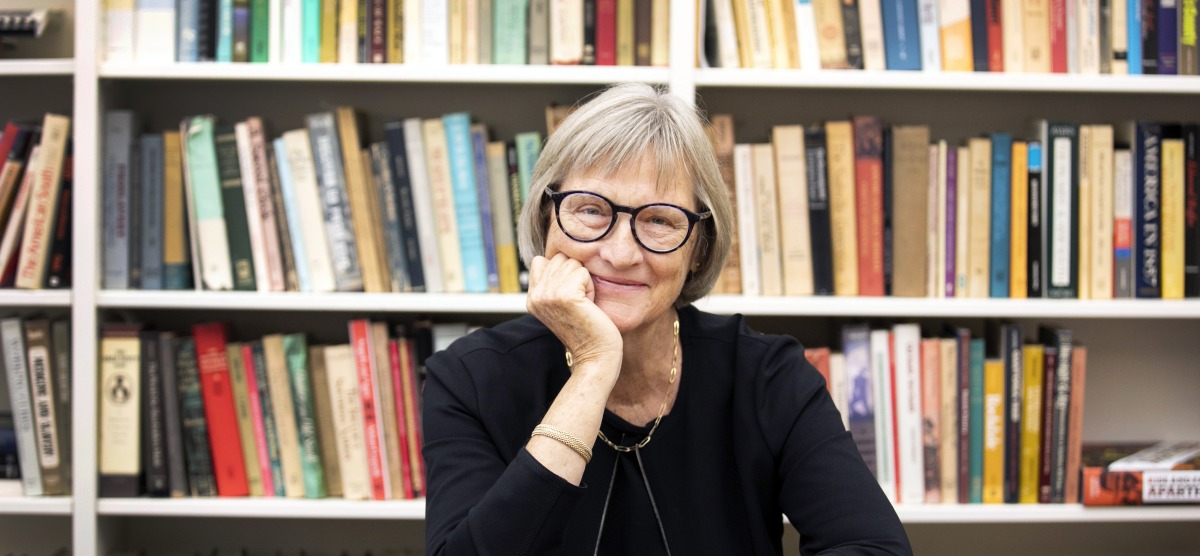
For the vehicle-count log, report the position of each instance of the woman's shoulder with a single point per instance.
(518, 345)
(504, 338)
(733, 332)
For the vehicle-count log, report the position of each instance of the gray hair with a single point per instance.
(615, 130)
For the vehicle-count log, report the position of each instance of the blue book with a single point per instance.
(187, 31)
(1168, 38)
(259, 357)
(466, 201)
(310, 37)
(120, 127)
(1001, 212)
(397, 147)
(979, 34)
(975, 423)
(1147, 167)
(288, 191)
(1133, 50)
(152, 211)
(901, 35)
(388, 209)
(856, 345)
(479, 152)
(225, 31)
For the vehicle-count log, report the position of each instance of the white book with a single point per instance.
(119, 30)
(1013, 36)
(1163, 456)
(435, 48)
(470, 35)
(566, 32)
(43, 202)
(12, 338)
(961, 241)
(347, 35)
(770, 260)
(839, 387)
(418, 174)
(930, 33)
(346, 403)
(743, 178)
(939, 209)
(413, 36)
(910, 442)
(870, 16)
(154, 24)
(727, 43)
(287, 32)
(806, 33)
(881, 380)
(1073, 38)
(308, 203)
(250, 191)
(1088, 13)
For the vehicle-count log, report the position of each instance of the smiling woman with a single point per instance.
(617, 418)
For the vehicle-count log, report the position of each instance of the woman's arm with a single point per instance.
(826, 490)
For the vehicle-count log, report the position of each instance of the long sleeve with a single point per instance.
(480, 500)
(826, 490)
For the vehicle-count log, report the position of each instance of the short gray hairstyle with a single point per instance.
(615, 130)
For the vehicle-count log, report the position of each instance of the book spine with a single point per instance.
(195, 427)
(503, 226)
(1014, 361)
(177, 273)
(885, 415)
(386, 408)
(363, 214)
(1001, 218)
(260, 29)
(1062, 210)
(478, 136)
(283, 408)
(43, 406)
(291, 214)
(326, 431)
(901, 34)
(346, 406)
(327, 161)
(310, 32)
(1168, 37)
(1150, 30)
(241, 31)
(509, 30)
(329, 31)
(364, 361)
(43, 203)
(152, 225)
(1072, 487)
(466, 202)
(60, 333)
(442, 202)
(154, 448)
(1191, 211)
(187, 31)
(396, 364)
(264, 194)
(788, 143)
(976, 419)
(205, 206)
(856, 345)
(1061, 411)
(931, 424)
(295, 349)
(239, 387)
(422, 197)
(1171, 213)
(172, 417)
(818, 211)
(119, 441)
(406, 209)
(766, 213)
(237, 213)
(1123, 209)
(951, 211)
(389, 215)
(1147, 170)
(993, 443)
(853, 32)
(119, 129)
(868, 195)
(743, 163)
(1031, 424)
(255, 360)
(228, 465)
(907, 386)
(840, 154)
(931, 51)
(310, 209)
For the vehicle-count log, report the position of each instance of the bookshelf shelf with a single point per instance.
(35, 505)
(35, 298)
(1042, 513)
(53, 66)
(330, 508)
(399, 73)
(721, 304)
(948, 81)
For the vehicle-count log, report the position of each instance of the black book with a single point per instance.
(176, 468)
(396, 146)
(154, 429)
(1060, 409)
(1035, 286)
(206, 31)
(589, 32)
(137, 188)
(1191, 215)
(58, 265)
(979, 34)
(1150, 33)
(195, 426)
(1062, 203)
(1014, 373)
(888, 232)
(818, 210)
(853, 31)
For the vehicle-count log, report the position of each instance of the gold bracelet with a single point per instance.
(564, 437)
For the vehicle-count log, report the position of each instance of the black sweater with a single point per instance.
(753, 435)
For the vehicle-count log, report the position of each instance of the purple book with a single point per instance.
(951, 217)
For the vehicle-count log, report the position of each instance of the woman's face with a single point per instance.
(633, 286)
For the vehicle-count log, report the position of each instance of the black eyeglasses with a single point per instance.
(658, 227)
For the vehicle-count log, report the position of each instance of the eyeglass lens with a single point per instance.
(588, 217)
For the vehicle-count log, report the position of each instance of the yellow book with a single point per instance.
(741, 25)
(790, 180)
(778, 22)
(364, 217)
(625, 33)
(1172, 207)
(1087, 178)
(280, 384)
(979, 223)
(1036, 27)
(839, 141)
(245, 420)
(1103, 203)
(329, 31)
(395, 31)
(176, 257)
(769, 252)
(660, 34)
(1031, 424)
(831, 34)
(458, 16)
(993, 431)
(1017, 265)
(955, 31)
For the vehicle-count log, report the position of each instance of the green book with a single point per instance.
(234, 200)
(260, 29)
(310, 32)
(207, 208)
(295, 349)
(976, 422)
(509, 18)
(529, 146)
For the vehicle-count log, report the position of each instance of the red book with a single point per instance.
(819, 359)
(606, 32)
(397, 369)
(6, 142)
(216, 388)
(256, 414)
(868, 177)
(364, 363)
(995, 37)
(1058, 36)
(408, 357)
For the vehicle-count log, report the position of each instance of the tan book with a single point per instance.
(760, 39)
(387, 405)
(839, 141)
(769, 246)
(1071, 485)
(43, 201)
(980, 218)
(660, 33)
(377, 218)
(1035, 25)
(791, 188)
(346, 406)
(1103, 194)
(961, 222)
(285, 415)
(566, 32)
(779, 19)
(1172, 207)
(870, 15)
(245, 420)
(457, 14)
(1086, 188)
(747, 219)
(363, 215)
(1019, 223)
(831, 34)
(175, 243)
(949, 418)
(347, 33)
(1012, 35)
(741, 15)
(119, 421)
(720, 134)
(326, 431)
(437, 164)
(625, 33)
(937, 207)
(503, 228)
(910, 205)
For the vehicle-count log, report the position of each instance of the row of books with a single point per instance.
(35, 407)
(858, 207)
(952, 418)
(1035, 36)
(205, 415)
(35, 204)
(571, 32)
(1138, 473)
(220, 206)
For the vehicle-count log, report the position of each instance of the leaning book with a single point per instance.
(1141, 474)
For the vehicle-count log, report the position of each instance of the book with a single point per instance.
(795, 244)
(228, 465)
(246, 420)
(258, 384)
(857, 349)
(839, 137)
(906, 385)
(200, 479)
(747, 205)
(766, 214)
(868, 195)
(993, 430)
(326, 432)
(119, 422)
(366, 370)
(910, 179)
(885, 414)
(284, 410)
(327, 163)
(1001, 217)
(817, 182)
(346, 406)
(363, 216)
(154, 426)
(43, 202)
(1133, 474)
(295, 351)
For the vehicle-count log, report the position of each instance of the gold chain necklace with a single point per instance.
(661, 409)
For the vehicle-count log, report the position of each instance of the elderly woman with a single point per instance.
(617, 418)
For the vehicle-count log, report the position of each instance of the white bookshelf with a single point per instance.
(264, 508)
(389, 73)
(64, 66)
(946, 81)
(31, 506)
(35, 298)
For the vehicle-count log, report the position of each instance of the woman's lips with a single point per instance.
(616, 283)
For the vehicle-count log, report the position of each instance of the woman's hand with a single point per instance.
(562, 296)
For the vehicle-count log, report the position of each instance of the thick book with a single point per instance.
(906, 385)
(993, 432)
(201, 481)
(331, 181)
(120, 127)
(205, 215)
(364, 217)
(1171, 215)
(839, 140)
(346, 408)
(1018, 278)
(258, 384)
(312, 239)
(172, 421)
(1147, 241)
(43, 202)
(389, 216)
(1075, 423)
(120, 464)
(1031, 424)
(817, 186)
(1061, 142)
(1001, 214)
(901, 35)
(788, 144)
(465, 201)
(422, 199)
(257, 186)
(44, 406)
(979, 217)
(1140, 473)
(228, 465)
(291, 225)
(478, 134)
(326, 431)
(368, 387)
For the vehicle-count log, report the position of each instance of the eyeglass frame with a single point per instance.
(693, 218)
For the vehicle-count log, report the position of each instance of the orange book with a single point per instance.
(1075, 423)
(868, 182)
(1019, 228)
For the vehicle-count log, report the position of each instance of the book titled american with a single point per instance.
(1140, 474)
